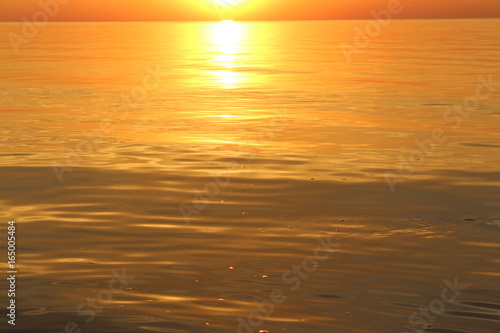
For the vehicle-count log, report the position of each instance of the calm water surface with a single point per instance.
(302, 141)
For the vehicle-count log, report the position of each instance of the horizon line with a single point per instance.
(277, 20)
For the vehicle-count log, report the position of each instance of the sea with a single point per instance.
(291, 176)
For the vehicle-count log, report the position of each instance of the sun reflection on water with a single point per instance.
(227, 37)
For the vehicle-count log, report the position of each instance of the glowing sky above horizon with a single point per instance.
(193, 10)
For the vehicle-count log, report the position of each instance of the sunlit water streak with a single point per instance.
(319, 171)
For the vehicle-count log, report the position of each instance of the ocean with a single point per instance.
(297, 176)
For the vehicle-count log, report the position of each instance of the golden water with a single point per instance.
(302, 141)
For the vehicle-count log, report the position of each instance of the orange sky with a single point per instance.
(159, 10)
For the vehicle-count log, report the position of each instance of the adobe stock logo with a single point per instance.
(225, 8)
(454, 117)
(372, 29)
(292, 278)
(421, 321)
(31, 28)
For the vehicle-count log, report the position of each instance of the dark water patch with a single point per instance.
(73, 284)
(483, 305)
(392, 293)
(472, 314)
(446, 330)
(483, 145)
(329, 296)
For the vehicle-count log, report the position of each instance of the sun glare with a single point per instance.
(227, 37)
